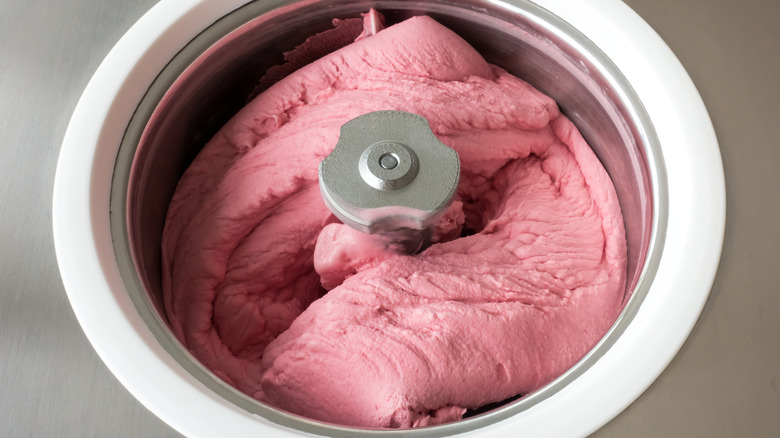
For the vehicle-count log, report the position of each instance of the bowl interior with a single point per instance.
(210, 79)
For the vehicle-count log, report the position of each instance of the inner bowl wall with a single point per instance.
(210, 79)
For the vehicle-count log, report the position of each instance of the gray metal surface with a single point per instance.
(53, 383)
(388, 171)
(723, 383)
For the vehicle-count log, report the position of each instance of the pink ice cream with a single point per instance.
(270, 292)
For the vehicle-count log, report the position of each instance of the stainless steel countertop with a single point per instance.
(723, 383)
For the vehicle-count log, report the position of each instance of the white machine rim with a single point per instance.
(667, 315)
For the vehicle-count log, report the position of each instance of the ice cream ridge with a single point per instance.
(272, 293)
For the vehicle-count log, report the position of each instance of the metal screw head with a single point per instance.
(388, 165)
(388, 161)
(388, 171)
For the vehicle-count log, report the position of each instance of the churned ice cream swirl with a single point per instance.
(271, 293)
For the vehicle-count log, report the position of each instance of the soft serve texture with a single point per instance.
(268, 290)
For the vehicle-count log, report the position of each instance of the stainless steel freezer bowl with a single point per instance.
(210, 79)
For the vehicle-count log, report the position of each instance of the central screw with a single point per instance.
(388, 165)
(388, 161)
